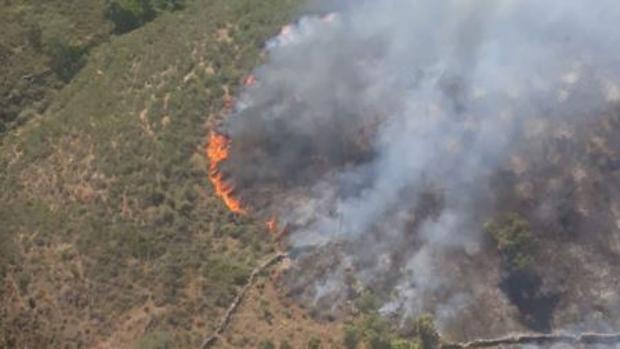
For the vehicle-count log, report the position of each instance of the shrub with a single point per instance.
(23, 280)
(375, 332)
(52, 35)
(155, 340)
(404, 344)
(351, 337)
(514, 240)
(266, 344)
(426, 333)
(314, 343)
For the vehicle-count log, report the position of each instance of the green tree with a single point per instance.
(52, 34)
(128, 15)
(425, 331)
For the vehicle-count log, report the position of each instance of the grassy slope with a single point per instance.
(109, 226)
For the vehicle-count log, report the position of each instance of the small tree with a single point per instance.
(52, 35)
(514, 240)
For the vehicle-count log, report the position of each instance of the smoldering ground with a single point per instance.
(386, 135)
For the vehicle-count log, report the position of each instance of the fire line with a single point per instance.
(218, 150)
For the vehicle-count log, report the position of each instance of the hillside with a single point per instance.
(368, 174)
(43, 46)
(111, 237)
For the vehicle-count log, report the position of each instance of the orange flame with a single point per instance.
(218, 151)
(272, 224)
(249, 80)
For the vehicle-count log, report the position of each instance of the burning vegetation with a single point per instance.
(217, 151)
(458, 159)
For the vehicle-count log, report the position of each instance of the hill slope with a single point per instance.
(111, 235)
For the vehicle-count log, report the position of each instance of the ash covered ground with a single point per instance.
(457, 158)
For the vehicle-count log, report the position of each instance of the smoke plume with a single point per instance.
(386, 133)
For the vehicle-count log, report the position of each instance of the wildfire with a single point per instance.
(218, 151)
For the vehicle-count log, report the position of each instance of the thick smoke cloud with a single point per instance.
(377, 133)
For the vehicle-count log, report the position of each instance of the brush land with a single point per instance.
(110, 234)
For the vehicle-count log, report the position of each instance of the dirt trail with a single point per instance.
(540, 339)
(232, 308)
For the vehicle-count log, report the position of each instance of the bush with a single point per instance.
(426, 333)
(314, 343)
(514, 240)
(52, 35)
(155, 340)
(375, 332)
(404, 344)
(351, 337)
(266, 344)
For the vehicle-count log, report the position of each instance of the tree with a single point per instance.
(155, 340)
(425, 331)
(128, 15)
(52, 35)
(514, 240)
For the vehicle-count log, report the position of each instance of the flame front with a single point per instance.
(218, 151)
(272, 224)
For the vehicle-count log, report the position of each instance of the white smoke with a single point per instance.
(448, 88)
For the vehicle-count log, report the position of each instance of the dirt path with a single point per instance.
(232, 308)
(539, 339)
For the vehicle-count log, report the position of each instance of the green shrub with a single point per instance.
(52, 34)
(314, 343)
(376, 333)
(155, 340)
(426, 333)
(514, 240)
(351, 337)
(23, 280)
(266, 344)
(405, 344)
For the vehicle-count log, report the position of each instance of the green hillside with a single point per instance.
(111, 236)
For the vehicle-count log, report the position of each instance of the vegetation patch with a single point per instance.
(131, 14)
(514, 240)
(374, 331)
